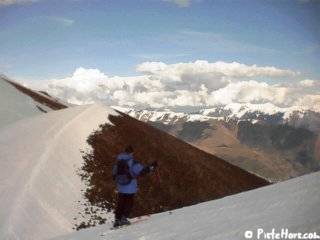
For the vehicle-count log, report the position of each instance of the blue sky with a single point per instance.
(49, 38)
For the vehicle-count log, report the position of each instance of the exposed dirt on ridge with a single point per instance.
(187, 174)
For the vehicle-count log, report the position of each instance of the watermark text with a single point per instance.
(282, 233)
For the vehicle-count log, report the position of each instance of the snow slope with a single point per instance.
(14, 105)
(293, 204)
(39, 159)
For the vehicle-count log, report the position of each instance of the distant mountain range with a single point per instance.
(276, 143)
(255, 113)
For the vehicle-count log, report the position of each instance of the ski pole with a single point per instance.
(157, 173)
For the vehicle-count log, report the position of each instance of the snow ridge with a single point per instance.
(40, 188)
(15, 105)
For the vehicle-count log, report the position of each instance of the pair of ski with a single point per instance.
(132, 222)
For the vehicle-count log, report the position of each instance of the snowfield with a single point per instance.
(39, 159)
(292, 205)
(15, 105)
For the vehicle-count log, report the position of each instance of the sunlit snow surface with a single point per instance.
(15, 105)
(293, 204)
(39, 160)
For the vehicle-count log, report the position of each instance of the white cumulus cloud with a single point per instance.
(309, 101)
(220, 68)
(192, 84)
(249, 92)
(307, 83)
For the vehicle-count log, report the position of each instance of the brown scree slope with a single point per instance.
(187, 174)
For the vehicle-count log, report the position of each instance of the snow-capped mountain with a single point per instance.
(292, 206)
(275, 143)
(266, 113)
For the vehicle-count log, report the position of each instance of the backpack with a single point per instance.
(123, 175)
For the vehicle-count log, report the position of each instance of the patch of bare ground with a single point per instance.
(187, 174)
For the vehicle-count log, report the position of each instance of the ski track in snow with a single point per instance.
(49, 147)
(39, 157)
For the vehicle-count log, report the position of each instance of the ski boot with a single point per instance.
(124, 221)
(117, 223)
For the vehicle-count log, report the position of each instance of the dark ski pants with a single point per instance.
(124, 205)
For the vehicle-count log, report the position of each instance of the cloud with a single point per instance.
(309, 101)
(249, 92)
(193, 84)
(233, 69)
(307, 83)
(180, 3)
(62, 21)
(11, 2)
